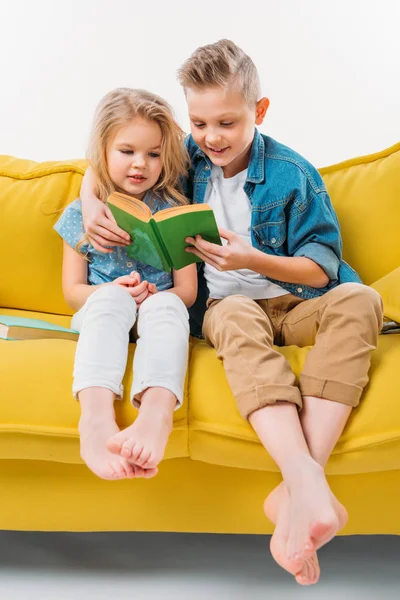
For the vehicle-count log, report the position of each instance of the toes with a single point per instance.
(139, 471)
(119, 471)
(127, 449)
(114, 445)
(128, 468)
(148, 473)
(144, 458)
(136, 453)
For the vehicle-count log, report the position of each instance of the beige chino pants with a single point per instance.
(342, 326)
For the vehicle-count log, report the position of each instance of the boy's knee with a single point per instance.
(232, 305)
(362, 301)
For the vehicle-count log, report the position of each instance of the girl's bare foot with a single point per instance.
(94, 433)
(143, 443)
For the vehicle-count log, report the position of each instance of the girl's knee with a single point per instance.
(113, 297)
(164, 301)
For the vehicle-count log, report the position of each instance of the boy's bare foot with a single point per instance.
(273, 502)
(143, 443)
(309, 572)
(312, 515)
(307, 516)
(94, 433)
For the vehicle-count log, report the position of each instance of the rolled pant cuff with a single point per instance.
(138, 389)
(337, 391)
(117, 389)
(263, 395)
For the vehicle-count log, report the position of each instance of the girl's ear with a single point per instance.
(261, 110)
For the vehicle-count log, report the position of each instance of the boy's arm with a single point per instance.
(185, 284)
(100, 225)
(238, 254)
(313, 244)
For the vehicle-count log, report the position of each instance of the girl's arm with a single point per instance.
(74, 278)
(185, 284)
(74, 281)
(100, 226)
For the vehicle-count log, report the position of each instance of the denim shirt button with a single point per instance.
(299, 289)
(207, 168)
(273, 240)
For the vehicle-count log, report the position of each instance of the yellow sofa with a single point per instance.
(216, 474)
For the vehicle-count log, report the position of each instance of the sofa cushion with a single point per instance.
(365, 192)
(31, 200)
(370, 441)
(38, 415)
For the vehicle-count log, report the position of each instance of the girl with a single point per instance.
(135, 148)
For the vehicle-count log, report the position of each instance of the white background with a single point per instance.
(331, 69)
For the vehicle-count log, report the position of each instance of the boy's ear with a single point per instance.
(261, 110)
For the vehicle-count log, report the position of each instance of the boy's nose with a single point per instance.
(212, 138)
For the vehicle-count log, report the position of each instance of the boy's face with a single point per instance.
(222, 125)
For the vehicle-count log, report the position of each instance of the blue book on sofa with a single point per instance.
(22, 328)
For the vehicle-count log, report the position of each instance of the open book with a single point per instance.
(22, 328)
(159, 240)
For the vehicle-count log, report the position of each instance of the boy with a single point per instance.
(278, 278)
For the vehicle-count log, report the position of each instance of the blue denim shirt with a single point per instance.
(291, 215)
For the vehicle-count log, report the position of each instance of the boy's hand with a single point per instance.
(101, 227)
(235, 255)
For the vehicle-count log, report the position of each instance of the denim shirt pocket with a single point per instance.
(271, 236)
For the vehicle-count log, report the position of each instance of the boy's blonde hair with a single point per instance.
(221, 64)
(115, 110)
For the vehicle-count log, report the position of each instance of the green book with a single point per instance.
(22, 328)
(159, 240)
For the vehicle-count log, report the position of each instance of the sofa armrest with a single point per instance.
(389, 288)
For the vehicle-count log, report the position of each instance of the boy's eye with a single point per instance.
(227, 124)
(154, 154)
(198, 124)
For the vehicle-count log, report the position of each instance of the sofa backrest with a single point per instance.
(365, 193)
(32, 197)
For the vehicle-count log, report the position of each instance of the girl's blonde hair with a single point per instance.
(115, 110)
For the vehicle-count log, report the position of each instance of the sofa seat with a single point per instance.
(42, 423)
(38, 414)
(370, 441)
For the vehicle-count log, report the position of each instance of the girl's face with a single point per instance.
(134, 157)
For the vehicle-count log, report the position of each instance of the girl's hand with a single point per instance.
(152, 289)
(101, 227)
(128, 281)
(237, 254)
(138, 290)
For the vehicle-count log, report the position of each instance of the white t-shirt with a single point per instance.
(232, 211)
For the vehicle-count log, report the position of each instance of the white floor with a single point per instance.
(144, 566)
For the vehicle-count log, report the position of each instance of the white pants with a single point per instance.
(161, 355)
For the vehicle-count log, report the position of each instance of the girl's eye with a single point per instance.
(227, 124)
(154, 154)
(127, 151)
(198, 125)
